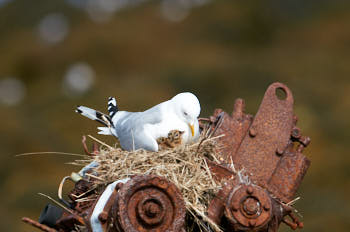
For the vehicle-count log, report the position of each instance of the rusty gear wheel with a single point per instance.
(248, 207)
(150, 203)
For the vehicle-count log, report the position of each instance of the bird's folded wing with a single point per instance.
(153, 115)
(130, 129)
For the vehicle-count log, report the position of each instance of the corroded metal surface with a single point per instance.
(150, 203)
(260, 147)
(229, 179)
(82, 189)
(234, 127)
(268, 136)
(269, 149)
(105, 216)
(221, 172)
(68, 221)
(217, 205)
(288, 175)
(248, 207)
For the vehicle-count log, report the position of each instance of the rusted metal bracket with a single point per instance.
(268, 136)
(263, 148)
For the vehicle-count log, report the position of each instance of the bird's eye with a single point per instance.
(185, 113)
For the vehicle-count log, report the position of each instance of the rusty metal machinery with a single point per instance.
(141, 203)
(149, 203)
(261, 167)
(266, 150)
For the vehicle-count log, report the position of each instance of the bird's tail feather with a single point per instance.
(104, 131)
(95, 115)
(112, 107)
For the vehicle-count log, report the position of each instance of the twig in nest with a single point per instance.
(208, 130)
(56, 202)
(99, 141)
(94, 147)
(38, 225)
(49, 153)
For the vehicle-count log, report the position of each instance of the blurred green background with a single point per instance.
(57, 54)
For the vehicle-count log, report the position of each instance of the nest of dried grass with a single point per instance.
(185, 166)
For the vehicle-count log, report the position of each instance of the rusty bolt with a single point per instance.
(266, 207)
(118, 186)
(152, 209)
(252, 132)
(251, 223)
(280, 151)
(292, 225)
(300, 225)
(103, 216)
(250, 190)
(251, 206)
(234, 207)
(296, 132)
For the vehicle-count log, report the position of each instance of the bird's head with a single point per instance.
(187, 108)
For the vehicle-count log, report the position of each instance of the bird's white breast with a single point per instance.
(164, 127)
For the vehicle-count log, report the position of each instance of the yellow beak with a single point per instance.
(192, 129)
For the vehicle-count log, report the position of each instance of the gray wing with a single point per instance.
(130, 129)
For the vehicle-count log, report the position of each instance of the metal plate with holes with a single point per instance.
(268, 136)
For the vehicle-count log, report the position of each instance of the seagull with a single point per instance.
(140, 130)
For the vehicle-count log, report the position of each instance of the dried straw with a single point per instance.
(185, 166)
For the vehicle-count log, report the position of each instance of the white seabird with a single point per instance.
(136, 130)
